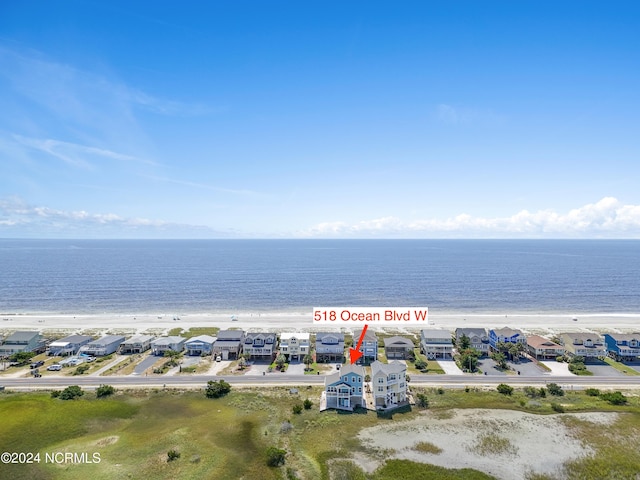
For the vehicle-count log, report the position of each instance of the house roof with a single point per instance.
(139, 339)
(230, 335)
(167, 340)
(506, 332)
(622, 337)
(23, 336)
(298, 335)
(398, 341)
(369, 336)
(435, 333)
(108, 339)
(250, 337)
(471, 332)
(345, 370)
(202, 338)
(582, 336)
(538, 342)
(387, 368)
(320, 337)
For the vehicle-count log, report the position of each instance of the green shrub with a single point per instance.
(440, 391)
(592, 392)
(297, 409)
(172, 455)
(555, 390)
(275, 456)
(615, 398)
(505, 389)
(217, 389)
(81, 369)
(71, 393)
(556, 407)
(307, 404)
(105, 391)
(423, 401)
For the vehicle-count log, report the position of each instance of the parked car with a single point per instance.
(37, 364)
(55, 367)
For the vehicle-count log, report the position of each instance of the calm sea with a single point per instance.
(192, 276)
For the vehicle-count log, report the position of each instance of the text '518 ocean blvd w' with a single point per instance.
(417, 315)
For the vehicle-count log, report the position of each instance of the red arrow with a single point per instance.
(355, 353)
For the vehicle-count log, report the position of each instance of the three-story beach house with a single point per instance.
(369, 346)
(344, 390)
(389, 383)
(294, 345)
(436, 343)
(329, 347)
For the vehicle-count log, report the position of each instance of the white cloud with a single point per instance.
(607, 218)
(17, 218)
(72, 153)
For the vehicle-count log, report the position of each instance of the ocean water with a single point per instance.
(194, 276)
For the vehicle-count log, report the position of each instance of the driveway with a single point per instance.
(144, 364)
(488, 367)
(449, 366)
(558, 369)
(602, 369)
(527, 368)
(296, 368)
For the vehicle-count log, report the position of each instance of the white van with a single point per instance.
(55, 367)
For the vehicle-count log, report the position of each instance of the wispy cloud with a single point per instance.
(74, 153)
(450, 115)
(18, 218)
(607, 218)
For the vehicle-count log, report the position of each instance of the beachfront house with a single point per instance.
(543, 348)
(436, 343)
(369, 346)
(329, 347)
(68, 345)
(22, 341)
(294, 345)
(200, 346)
(103, 346)
(260, 346)
(228, 345)
(344, 390)
(389, 384)
(585, 345)
(399, 348)
(623, 347)
(136, 344)
(506, 335)
(478, 339)
(162, 344)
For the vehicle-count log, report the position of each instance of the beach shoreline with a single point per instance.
(293, 321)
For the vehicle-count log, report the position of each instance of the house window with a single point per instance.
(381, 389)
(353, 379)
(359, 389)
(380, 380)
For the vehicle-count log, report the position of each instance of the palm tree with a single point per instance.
(242, 363)
(308, 360)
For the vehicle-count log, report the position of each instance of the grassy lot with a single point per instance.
(627, 370)
(227, 438)
(318, 367)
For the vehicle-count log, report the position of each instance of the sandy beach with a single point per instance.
(161, 323)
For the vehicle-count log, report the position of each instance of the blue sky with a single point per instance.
(252, 119)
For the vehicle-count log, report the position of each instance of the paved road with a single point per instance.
(272, 379)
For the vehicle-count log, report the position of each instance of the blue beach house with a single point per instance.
(623, 347)
(506, 335)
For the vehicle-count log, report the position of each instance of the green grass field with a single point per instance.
(227, 438)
